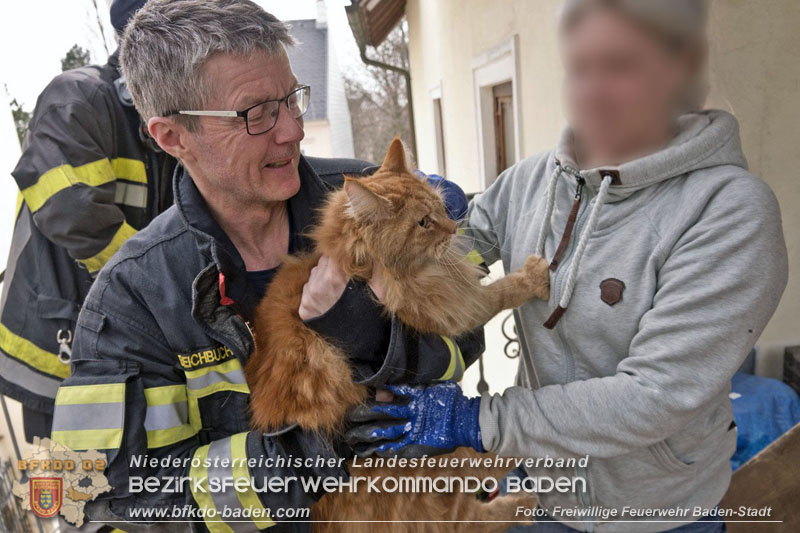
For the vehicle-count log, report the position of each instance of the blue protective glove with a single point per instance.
(422, 420)
(455, 201)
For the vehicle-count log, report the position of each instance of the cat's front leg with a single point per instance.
(536, 275)
(530, 281)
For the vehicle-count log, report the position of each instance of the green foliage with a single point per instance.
(21, 118)
(75, 57)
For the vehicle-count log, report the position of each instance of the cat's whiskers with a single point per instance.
(453, 266)
(491, 245)
(457, 273)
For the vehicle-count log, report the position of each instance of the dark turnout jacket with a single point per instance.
(158, 365)
(88, 181)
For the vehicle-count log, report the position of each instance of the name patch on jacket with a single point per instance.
(205, 357)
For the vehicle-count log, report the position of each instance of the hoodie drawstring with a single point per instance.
(591, 224)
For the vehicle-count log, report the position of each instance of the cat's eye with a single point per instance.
(425, 222)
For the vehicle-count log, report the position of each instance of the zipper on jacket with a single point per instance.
(557, 281)
(575, 222)
(238, 310)
(249, 329)
(573, 215)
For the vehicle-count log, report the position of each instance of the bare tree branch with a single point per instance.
(377, 101)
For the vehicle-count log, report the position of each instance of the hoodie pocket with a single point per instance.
(667, 458)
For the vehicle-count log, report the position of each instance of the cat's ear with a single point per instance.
(363, 202)
(396, 159)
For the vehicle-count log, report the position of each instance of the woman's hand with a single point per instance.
(416, 421)
(323, 289)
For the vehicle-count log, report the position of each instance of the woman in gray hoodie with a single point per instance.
(667, 260)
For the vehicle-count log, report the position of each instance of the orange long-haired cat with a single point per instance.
(395, 222)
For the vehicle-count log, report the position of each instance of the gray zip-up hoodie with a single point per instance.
(675, 263)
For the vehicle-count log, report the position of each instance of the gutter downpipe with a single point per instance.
(356, 25)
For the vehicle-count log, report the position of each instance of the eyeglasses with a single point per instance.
(262, 117)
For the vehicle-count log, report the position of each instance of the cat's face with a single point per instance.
(401, 218)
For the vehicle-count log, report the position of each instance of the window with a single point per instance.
(503, 126)
(495, 74)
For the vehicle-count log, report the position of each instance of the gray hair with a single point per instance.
(167, 43)
(680, 24)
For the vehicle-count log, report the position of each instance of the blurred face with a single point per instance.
(222, 157)
(622, 86)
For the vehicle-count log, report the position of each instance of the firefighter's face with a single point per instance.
(222, 157)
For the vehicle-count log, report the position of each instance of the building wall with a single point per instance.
(754, 74)
(338, 110)
(317, 141)
(445, 36)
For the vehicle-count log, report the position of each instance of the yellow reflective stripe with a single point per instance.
(89, 417)
(20, 201)
(129, 169)
(199, 471)
(96, 262)
(56, 179)
(169, 394)
(89, 439)
(83, 394)
(165, 395)
(228, 366)
(455, 369)
(157, 438)
(223, 368)
(194, 413)
(216, 387)
(248, 498)
(194, 394)
(93, 174)
(27, 352)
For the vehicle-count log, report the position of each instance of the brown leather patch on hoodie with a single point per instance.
(611, 290)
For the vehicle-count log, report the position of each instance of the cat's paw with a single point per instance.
(537, 274)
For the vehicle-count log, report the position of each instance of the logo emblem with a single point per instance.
(46, 495)
(611, 290)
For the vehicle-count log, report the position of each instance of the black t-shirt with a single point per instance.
(259, 280)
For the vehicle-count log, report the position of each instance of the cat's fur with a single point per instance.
(393, 225)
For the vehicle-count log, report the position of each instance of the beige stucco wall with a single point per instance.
(755, 74)
(444, 38)
(317, 140)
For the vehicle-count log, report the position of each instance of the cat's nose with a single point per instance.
(449, 226)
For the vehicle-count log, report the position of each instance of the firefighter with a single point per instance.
(157, 374)
(89, 178)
